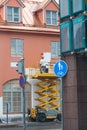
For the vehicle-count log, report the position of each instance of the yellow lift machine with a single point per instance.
(48, 98)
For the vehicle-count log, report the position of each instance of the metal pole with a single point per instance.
(61, 95)
(23, 91)
(24, 123)
(7, 112)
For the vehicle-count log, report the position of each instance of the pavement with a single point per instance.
(8, 125)
(18, 123)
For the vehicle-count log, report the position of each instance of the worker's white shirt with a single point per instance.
(43, 62)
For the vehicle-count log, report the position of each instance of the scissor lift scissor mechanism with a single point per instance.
(48, 97)
(48, 94)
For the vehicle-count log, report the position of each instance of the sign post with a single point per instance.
(22, 85)
(60, 70)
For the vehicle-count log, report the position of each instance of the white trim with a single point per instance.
(17, 0)
(43, 16)
(5, 14)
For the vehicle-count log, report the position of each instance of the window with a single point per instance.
(66, 37)
(16, 48)
(55, 49)
(13, 14)
(51, 17)
(78, 8)
(13, 96)
(65, 8)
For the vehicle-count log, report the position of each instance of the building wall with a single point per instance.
(41, 14)
(82, 91)
(70, 95)
(34, 45)
(14, 3)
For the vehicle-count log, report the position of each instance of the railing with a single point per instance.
(33, 71)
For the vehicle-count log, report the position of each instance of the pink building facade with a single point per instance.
(27, 29)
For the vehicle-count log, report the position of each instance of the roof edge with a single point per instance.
(20, 2)
(45, 5)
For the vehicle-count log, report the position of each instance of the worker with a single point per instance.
(43, 66)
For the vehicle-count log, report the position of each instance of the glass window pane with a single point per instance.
(66, 37)
(9, 10)
(16, 14)
(80, 6)
(55, 49)
(13, 14)
(54, 18)
(16, 11)
(16, 48)
(14, 97)
(78, 33)
(16, 102)
(64, 8)
(6, 99)
(48, 17)
(19, 46)
(51, 17)
(13, 47)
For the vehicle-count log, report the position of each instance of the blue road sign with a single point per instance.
(22, 81)
(60, 68)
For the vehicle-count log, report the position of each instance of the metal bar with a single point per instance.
(24, 122)
(7, 112)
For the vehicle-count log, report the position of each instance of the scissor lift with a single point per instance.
(48, 97)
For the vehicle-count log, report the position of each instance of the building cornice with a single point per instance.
(29, 29)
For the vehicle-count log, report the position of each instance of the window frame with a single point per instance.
(51, 18)
(14, 95)
(16, 52)
(13, 15)
(57, 48)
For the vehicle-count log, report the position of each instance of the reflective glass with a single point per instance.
(78, 33)
(65, 37)
(64, 8)
(78, 7)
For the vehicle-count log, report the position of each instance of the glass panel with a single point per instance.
(66, 39)
(13, 47)
(14, 96)
(16, 47)
(16, 14)
(78, 33)
(7, 87)
(79, 7)
(19, 46)
(58, 49)
(51, 17)
(13, 14)
(48, 17)
(55, 48)
(9, 9)
(54, 18)
(64, 8)
(6, 99)
(16, 102)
